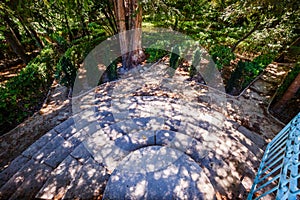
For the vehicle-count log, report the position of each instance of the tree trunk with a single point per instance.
(25, 28)
(15, 44)
(290, 92)
(129, 17)
(120, 16)
(137, 55)
(35, 36)
(13, 26)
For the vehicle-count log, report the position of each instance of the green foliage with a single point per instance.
(68, 71)
(112, 70)
(96, 29)
(23, 93)
(174, 57)
(154, 54)
(246, 72)
(221, 55)
(70, 62)
(195, 63)
(61, 41)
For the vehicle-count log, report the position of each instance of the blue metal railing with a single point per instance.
(278, 175)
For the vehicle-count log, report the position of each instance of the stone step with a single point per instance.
(62, 177)
(158, 173)
(263, 88)
(89, 182)
(47, 158)
(233, 154)
(57, 184)
(12, 169)
(26, 181)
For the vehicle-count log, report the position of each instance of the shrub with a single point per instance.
(221, 55)
(174, 57)
(246, 72)
(23, 94)
(154, 54)
(69, 63)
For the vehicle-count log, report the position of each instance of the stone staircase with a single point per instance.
(251, 107)
(140, 137)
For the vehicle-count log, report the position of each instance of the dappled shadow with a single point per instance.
(117, 119)
(158, 172)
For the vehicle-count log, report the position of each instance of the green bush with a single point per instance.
(174, 57)
(154, 54)
(69, 63)
(23, 94)
(246, 72)
(221, 55)
(112, 70)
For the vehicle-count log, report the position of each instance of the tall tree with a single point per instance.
(129, 17)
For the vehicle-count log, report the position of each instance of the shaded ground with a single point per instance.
(58, 108)
(11, 70)
(59, 165)
(290, 110)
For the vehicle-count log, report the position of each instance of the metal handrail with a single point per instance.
(279, 170)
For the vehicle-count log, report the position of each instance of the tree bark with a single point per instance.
(137, 55)
(120, 16)
(15, 44)
(34, 35)
(289, 94)
(129, 17)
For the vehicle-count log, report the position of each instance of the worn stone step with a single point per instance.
(13, 168)
(89, 182)
(111, 152)
(39, 144)
(25, 182)
(65, 174)
(57, 184)
(158, 173)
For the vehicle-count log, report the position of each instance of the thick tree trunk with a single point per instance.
(129, 17)
(15, 44)
(137, 55)
(120, 16)
(290, 92)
